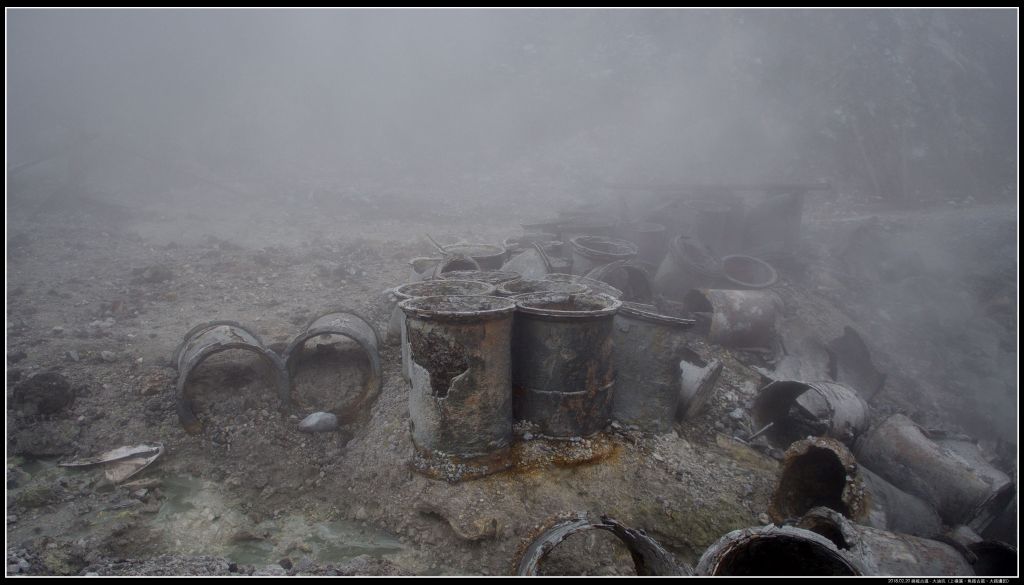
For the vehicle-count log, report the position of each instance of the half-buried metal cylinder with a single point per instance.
(774, 550)
(648, 348)
(563, 372)
(460, 404)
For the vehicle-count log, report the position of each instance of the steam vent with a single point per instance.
(512, 292)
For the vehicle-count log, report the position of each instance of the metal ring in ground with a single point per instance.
(207, 339)
(350, 324)
(649, 558)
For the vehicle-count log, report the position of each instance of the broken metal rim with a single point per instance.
(837, 410)
(457, 307)
(207, 339)
(737, 269)
(582, 306)
(649, 557)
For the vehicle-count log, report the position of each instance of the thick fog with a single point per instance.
(902, 103)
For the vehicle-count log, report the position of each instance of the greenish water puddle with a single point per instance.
(197, 518)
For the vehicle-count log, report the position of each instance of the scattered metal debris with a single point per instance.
(799, 409)
(819, 471)
(775, 550)
(562, 362)
(880, 552)
(460, 403)
(649, 558)
(122, 462)
(949, 474)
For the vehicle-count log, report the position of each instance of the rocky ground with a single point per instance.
(101, 291)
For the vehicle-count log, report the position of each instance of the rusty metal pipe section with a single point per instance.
(430, 288)
(648, 349)
(207, 339)
(799, 409)
(460, 403)
(345, 323)
(881, 552)
(819, 471)
(950, 475)
(563, 371)
(589, 252)
(775, 551)
(688, 265)
(649, 557)
(595, 286)
(738, 318)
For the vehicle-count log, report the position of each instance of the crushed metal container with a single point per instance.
(460, 403)
(689, 264)
(881, 552)
(345, 323)
(207, 339)
(590, 252)
(430, 288)
(819, 471)
(800, 409)
(563, 371)
(742, 319)
(950, 474)
(648, 348)
(649, 558)
(775, 551)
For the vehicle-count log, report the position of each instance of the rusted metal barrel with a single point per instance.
(207, 339)
(632, 279)
(649, 558)
(747, 272)
(563, 373)
(651, 240)
(738, 318)
(430, 288)
(880, 552)
(494, 277)
(526, 286)
(595, 286)
(687, 265)
(460, 403)
(963, 487)
(589, 252)
(345, 323)
(799, 409)
(774, 551)
(486, 256)
(819, 471)
(648, 348)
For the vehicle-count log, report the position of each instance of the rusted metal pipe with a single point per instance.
(207, 339)
(563, 371)
(345, 323)
(949, 474)
(775, 551)
(649, 558)
(460, 403)
(739, 318)
(880, 552)
(430, 288)
(648, 348)
(799, 409)
(819, 471)
(589, 252)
